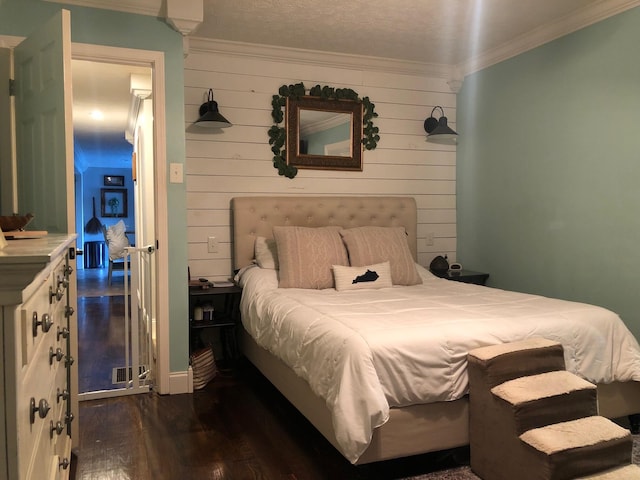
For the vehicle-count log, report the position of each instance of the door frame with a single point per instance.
(155, 61)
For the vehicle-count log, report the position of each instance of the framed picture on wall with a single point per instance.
(114, 180)
(114, 202)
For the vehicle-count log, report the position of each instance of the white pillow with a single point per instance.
(266, 253)
(117, 240)
(358, 278)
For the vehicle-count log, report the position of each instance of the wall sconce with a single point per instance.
(438, 131)
(210, 117)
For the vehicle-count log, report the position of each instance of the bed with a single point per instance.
(371, 423)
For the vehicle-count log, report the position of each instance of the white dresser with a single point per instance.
(38, 340)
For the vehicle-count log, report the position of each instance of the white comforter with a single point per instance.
(366, 350)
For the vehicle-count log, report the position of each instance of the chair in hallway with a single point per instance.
(116, 241)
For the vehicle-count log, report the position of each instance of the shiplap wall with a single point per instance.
(237, 161)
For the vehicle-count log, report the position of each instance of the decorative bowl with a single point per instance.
(9, 223)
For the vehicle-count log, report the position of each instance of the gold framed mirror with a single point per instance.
(324, 134)
(340, 107)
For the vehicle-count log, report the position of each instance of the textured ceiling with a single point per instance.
(449, 33)
(441, 32)
(430, 31)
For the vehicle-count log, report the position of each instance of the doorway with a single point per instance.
(154, 188)
(116, 315)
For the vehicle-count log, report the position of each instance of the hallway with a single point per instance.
(100, 329)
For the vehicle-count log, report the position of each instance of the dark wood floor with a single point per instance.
(101, 341)
(238, 427)
(100, 329)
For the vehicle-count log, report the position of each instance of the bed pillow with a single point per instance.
(266, 253)
(371, 245)
(357, 278)
(117, 241)
(306, 256)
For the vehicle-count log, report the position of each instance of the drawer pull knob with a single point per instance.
(58, 355)
(42, 409)
(68, 270)
(57, 428)
(64, 394)
(57, 294)
(64, 333)
(62, 283)
(68, 418)
(64, 463)
(68, 361)
(46, 323)
(68, 311)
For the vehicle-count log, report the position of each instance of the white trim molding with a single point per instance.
(142, 7)
(573, 22)
(318, 57)
(185, 15)
(180, 382)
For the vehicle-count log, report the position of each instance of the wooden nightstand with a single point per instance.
(466, 276)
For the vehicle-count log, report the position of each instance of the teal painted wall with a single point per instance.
(317, 141)
(103, 27)
(548, 169)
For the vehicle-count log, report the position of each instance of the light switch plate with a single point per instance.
(212, 245)
(175, 173)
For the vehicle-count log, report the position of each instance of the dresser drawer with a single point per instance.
(35, 337)
(61, 461)
(35, 321)
(41, 375)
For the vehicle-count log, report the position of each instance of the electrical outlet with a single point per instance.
(430, 239)
(212, 245)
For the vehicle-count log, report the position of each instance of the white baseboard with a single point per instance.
(181, 382)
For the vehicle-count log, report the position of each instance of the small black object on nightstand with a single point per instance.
(466, 276)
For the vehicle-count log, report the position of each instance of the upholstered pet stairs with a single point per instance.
(531, 419)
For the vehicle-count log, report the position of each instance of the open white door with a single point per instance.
(144, 186)
(8, 198)
(139, 319)
(44, 148)
(42, 64)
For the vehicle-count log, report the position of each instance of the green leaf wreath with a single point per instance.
(278, 134)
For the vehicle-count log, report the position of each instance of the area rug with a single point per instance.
(465, 473)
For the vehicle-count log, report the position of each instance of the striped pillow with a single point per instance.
(371, 245)
(306, 256)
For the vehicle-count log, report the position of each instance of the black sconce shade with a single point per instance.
(438, 131)
(210, 117)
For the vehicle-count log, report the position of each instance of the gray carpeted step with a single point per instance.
(578, 447)
(506, 361)
(538, 400)
(628, 472)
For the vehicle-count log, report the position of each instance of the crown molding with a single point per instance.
(551, 31)
(142, 7)
(318, 57)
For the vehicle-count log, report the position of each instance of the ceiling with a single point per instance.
(440, 32)
(102, 102)
(443, 32)
(459, 36)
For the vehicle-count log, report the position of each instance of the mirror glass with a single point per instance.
(324, 134)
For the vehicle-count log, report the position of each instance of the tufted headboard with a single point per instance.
(256, 216)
